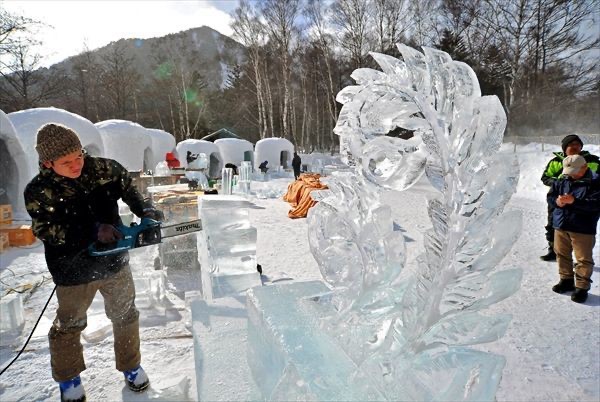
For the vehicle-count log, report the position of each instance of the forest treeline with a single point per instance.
(540, 57)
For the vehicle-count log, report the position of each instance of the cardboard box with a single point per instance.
(6, 214)
(18, 235)
(3, 242)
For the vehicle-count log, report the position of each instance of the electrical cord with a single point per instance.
(31, 334)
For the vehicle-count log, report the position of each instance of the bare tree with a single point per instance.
(391, 19)
(250, 31)
(86, 72)
(119, 80)
(424, 14)
(511, 20)
(23, 84)
(559, 34)
(351, 17)
(280, 16)
(315, 12)
(14, 31)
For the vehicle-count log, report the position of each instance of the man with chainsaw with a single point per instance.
(73, 203)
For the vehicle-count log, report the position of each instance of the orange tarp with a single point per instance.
(298, 194)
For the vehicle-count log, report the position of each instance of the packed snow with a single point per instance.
(127, 142)
(552, 346)
(277, 151)
(28, 122)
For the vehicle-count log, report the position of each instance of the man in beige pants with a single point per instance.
(575, 197)
(73, 203)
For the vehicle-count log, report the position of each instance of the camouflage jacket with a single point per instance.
(66, 212)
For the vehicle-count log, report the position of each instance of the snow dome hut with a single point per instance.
(220, 134)
(13, 165)
(28, 122)
(215, 160)
(162, 142)
(128, 143)
(235, 150)
(278, 151)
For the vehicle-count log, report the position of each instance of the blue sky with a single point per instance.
(97, 23)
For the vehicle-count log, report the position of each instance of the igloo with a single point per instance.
(14, 167)
(234, 150)
(28, 122)
(278, 151)
(162, 142)
(128, 143)
(215, 160)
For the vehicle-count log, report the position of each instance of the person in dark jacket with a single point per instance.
(263, 166)
(571, 145)
(234, 168)
(73, 203)
(190, 157)
(576, 201)
(296, 164)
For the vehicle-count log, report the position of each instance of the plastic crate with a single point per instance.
(18, 235)
(6, 215)
(3, 242)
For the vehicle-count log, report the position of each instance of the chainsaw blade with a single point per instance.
(179, 229)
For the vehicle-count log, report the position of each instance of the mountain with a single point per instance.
(201, 49)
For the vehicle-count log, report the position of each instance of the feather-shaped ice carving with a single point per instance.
(409, 332)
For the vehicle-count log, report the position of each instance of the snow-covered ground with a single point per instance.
(552, 346)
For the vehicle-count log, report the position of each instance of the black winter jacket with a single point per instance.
(66, 212)
(581, 216)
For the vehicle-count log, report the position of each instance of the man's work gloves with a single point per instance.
(108, 233)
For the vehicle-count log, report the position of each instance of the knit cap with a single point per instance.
(568, 139)
(54, 141)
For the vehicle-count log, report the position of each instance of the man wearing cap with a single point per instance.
(575, 197)
(571, 145)
(73, 203)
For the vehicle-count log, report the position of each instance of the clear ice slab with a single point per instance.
(219, 328)
(290, 356)
(11, 317)
(226, 246)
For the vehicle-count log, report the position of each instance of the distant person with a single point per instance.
(576, 201)
(296, 164)
(172, 161)
(263, 167)
(190, 157)
(571, 145)
(72, 202)
(233, 167)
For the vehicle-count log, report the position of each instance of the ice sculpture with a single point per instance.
(245, 177)
(226, 246)
(227, 180)
(412, 339)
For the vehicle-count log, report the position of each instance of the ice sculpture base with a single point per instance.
(215, 285)
(12, 318)
(220, 342)
(290, 356)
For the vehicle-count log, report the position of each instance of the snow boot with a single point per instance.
(580, 295)
(72, 390)
(550, 256)
(565, 285)
(136, 379)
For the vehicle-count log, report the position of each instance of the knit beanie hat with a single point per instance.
(570, 138)
(54, 141)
